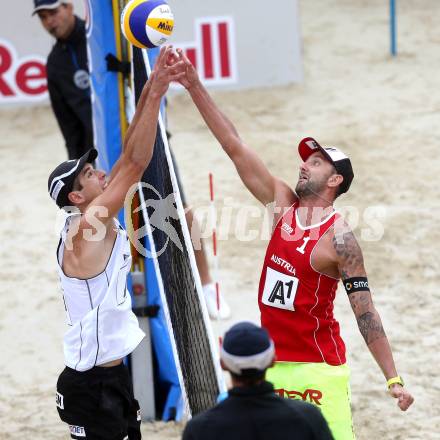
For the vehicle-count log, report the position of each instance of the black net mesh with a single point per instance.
(189, 329)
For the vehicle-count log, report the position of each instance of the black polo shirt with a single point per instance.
(69, 90)
(257, 413)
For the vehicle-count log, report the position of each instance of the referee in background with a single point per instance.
(67, 74)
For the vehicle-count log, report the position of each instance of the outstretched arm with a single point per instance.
(253, 172)
(351, 265)
(139, 142)
(137, 115)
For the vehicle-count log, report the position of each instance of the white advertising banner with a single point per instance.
(24, 46)
(240, 44)
(21, 78)
(230, 42)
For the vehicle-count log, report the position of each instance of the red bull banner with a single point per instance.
(227, 42)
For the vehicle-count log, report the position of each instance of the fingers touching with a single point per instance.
(183, 57)
(173, 66)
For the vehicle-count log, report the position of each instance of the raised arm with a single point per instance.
(132, 126)
(253, 172)
(352, 271)
(139, 142)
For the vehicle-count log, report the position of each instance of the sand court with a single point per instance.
(383, 112)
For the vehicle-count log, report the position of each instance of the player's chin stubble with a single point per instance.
(308, 188)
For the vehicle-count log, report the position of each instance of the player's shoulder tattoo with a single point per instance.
(348, 251)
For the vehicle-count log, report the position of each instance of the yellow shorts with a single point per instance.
(326, 386)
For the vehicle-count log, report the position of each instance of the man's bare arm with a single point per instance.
(351, 265)
(251, 169)
(138, 148)
(139, 108)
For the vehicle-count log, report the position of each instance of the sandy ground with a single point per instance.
(382, 111)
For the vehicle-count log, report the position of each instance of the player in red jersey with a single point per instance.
(311, 249)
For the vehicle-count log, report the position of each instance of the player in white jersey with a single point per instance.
(94, 392)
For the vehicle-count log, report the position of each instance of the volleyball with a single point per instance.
(147, 23)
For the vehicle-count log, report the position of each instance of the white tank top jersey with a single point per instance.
(103, 327)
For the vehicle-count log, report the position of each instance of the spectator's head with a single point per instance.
(247, 352)
(56, 17)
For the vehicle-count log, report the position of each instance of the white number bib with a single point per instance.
(279, 290)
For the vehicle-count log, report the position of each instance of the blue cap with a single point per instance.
(247, 349)
(47, 4)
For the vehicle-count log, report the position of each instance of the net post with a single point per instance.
(142, 373)
(393, 29)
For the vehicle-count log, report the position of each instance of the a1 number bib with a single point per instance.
(279, 290)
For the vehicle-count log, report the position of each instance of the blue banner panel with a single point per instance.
(105, 96)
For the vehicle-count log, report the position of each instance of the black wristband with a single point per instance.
(356, 284)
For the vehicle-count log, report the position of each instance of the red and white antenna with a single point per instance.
(214, 246)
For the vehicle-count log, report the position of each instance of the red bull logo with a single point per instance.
(21, 79)
(213, 52)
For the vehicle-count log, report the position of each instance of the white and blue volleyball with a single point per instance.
(147, 23)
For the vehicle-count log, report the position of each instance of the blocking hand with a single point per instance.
(165, 72)
(190, 77)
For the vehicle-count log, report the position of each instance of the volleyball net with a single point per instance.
(188, 320)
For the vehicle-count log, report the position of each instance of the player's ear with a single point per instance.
(334, 180)
(75, 197)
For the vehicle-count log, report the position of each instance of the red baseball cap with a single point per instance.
(336, 157)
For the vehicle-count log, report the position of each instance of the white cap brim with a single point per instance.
(259, 361)
(52, 6)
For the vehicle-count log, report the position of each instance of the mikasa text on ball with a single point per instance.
(147, 23)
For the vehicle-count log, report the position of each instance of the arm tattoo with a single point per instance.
(349, 253)
(370, 327)
(351, 264)
(360, 301)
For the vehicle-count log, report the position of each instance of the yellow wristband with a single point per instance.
(393, 380)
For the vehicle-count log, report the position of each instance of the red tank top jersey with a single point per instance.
(296, 301)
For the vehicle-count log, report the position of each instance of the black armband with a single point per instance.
(356, 284)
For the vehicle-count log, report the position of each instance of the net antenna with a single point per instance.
(192, 339)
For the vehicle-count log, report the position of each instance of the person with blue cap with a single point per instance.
(252, 409)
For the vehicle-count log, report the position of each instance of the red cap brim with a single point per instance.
(307, 147)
